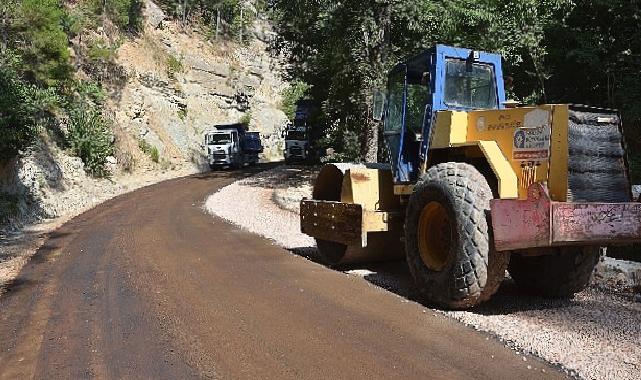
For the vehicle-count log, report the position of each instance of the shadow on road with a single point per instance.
(236, 173)
(289, 177)
(395, 277)
(16, 285)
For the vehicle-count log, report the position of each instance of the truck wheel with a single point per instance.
(560, 274)
(448, 238)
(331, 253)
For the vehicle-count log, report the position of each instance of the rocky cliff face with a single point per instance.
(179, 85)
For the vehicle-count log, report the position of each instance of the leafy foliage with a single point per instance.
(291, 95)
(89, 91)
(126, 14)
(36, 78)
(35, 30)
(246, 118)
(90, 139)
(17, 126)
(174, 66)
(149, 149)
(581, 51)
(23, 107)
(88, 134)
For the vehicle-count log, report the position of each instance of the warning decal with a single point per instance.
(532, 142)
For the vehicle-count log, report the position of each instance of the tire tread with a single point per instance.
(473, 277)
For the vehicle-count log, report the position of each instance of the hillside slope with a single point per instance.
(174, 84)
(180, 85)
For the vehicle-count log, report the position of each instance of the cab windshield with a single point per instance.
(470, 86)
(295, 135)
(219, 139)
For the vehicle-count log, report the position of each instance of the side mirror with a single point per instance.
(378, 108)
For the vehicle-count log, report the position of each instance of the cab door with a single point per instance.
(395, 120)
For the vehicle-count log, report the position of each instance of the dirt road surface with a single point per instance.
(147, 286)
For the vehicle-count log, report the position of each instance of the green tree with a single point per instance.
(343, 51)
(34, 30)
(595, 56)
(291, 95)
(517, 29)
(90, 139)
(126, 14)
(23, 107)
(17, 125)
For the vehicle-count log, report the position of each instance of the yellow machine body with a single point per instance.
(355, 205)
(521, 147)
(492, 134)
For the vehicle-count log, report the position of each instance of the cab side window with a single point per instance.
(417, 97)
(396, 93)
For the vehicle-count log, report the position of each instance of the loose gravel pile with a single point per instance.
(597, 335)
(249, 203)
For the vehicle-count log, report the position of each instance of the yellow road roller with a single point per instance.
(475, 186)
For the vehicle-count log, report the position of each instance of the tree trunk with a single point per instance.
(184, 12)
(378, 59)
(5, 33)
(372, 140)
(241, 22)
(217, 22)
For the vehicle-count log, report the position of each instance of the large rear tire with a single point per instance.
(448, 237)
(560, 274)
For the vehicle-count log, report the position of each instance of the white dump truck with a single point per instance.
(231, 145)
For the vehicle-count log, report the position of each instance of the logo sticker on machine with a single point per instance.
(532, 142)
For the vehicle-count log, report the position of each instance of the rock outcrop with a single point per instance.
(181, 85)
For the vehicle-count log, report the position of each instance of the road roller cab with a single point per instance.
(473, 188)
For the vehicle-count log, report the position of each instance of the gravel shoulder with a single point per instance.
(597, 335)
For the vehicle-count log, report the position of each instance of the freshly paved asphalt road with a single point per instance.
(147, 286)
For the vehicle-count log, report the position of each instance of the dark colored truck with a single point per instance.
(297, 134)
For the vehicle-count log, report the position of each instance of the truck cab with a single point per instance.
(230, 145)
(297, 134)
(253, 142)
(296, 142)
(222, 147)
